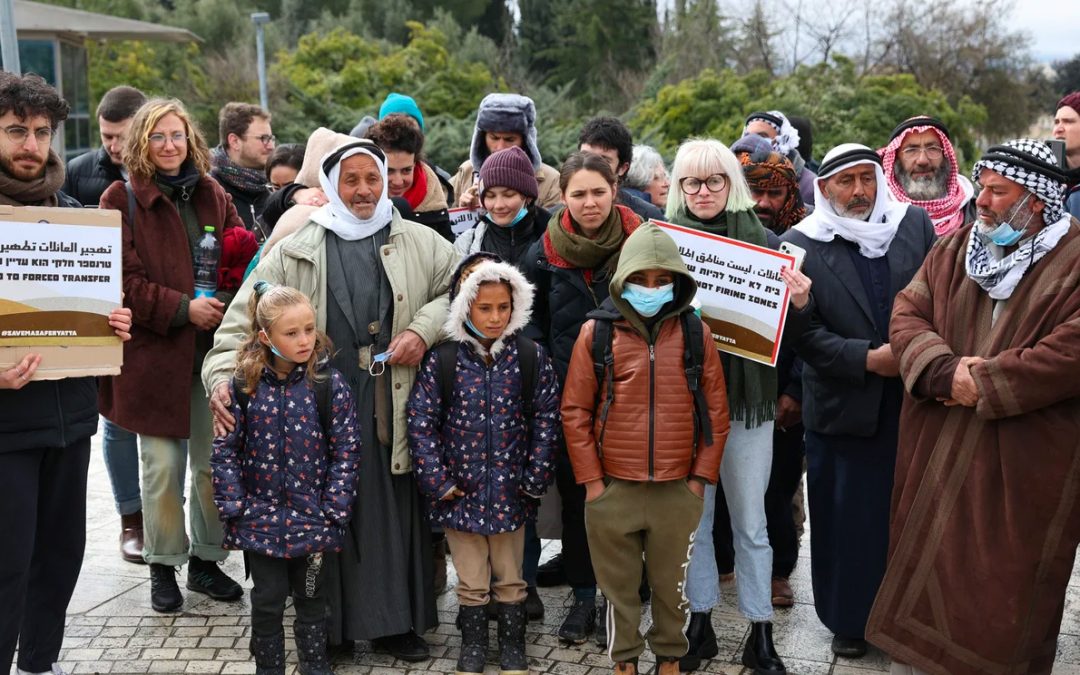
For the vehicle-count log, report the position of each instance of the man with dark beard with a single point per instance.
(984, 524)
(861, 249)
(920, 166)
(773, 184)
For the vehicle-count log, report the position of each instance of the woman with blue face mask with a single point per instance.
(512, 220)
(709, 193)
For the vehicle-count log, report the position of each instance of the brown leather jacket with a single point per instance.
(643, 442)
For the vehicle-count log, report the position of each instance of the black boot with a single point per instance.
(551, 573)
(164, 593)
(512, 659)
(204, 576)
(702, 641)
(759, 654)
(474, 639)
(311, 648)
(534, 606)
(269, 653)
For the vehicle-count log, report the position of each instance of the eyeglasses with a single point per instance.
(265, 139)
(691, 185)
(913, 151)
(158, 140)
(18, 134)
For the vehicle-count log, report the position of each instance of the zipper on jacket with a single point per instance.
(487, 425)
(284, 431)
(652, 407)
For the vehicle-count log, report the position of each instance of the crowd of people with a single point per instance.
(368, 394)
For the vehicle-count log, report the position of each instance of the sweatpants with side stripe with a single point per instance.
(631, 521)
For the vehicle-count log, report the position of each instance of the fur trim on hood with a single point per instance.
(321, 142)
(505, 112)
(521, 297)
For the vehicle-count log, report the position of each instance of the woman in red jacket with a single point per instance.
(159, 395)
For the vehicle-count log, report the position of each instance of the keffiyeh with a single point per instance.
(999, 278)
(787, 136)
(946, 213)
(765, 169)
(1031, 164)
(872, 235)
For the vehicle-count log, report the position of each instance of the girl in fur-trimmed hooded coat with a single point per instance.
(477, 458)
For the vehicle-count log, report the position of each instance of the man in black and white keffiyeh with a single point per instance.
(1022, 187)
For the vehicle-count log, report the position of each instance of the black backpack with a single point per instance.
(322, 401)
(693, 360)
(530, 373)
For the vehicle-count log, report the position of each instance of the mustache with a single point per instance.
(858, 202)
(27, 156)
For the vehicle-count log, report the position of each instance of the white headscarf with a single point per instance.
(872, 235)
(336, 215)
(787, 136)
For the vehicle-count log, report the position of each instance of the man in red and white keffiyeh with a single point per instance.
(920, 167)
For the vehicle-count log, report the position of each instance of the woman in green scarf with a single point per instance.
(709, 193)
(571, 266)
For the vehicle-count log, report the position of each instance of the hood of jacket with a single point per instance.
(319, 143)
(521, 297)
(649, 247)
(505, 112)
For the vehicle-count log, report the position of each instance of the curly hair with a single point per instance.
(137, 148)
(265, 306)
(29, 96)
(398, 133)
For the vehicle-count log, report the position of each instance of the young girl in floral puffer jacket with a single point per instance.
(477, 457)
(284, 479)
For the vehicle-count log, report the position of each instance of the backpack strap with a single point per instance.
(447, 352)
(604, 369)
(323, 403)
(693, 365)
(131, 206)
(529, 360)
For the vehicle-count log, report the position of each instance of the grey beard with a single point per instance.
(844, 212)
(924, 189)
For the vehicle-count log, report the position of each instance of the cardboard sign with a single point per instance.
(743, 298)
(61, 277)
(463, 218)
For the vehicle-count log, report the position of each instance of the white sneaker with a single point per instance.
(55, 670)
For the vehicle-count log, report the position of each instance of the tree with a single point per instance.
(1067, 78)
(695, 37)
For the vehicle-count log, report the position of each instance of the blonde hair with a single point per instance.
(265, 306)
(702, 157)
(137, 148)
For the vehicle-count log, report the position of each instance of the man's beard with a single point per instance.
(7, 163)
(856, 209)
(1021, 213)
(924, 188)
(766, 216)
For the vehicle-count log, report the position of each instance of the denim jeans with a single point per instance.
(163, 462)
(121, 450)
(744, 473)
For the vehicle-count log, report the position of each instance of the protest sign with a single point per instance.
(62, 276)
(743, 298)
(463, 218)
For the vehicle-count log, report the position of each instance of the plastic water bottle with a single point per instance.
(207, 256)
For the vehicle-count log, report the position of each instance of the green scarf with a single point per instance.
(751, 386)
(572, 249)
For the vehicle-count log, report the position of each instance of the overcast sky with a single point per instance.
(1054, 26)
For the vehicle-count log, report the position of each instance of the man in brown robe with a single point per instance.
(986, 505)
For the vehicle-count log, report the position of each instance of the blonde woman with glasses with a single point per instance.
(168, 204)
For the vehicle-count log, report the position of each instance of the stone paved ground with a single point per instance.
(111, 628)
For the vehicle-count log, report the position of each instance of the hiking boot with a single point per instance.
(601, 623)
(269, 653)
(534, 606)
(204, 576)
(405, 646)
(474, 639)
(311, 648)
(131, 538)
(164, 593)
(702, 641)
(759, 654)
(512, 660)
(579, 622)
(551, 573)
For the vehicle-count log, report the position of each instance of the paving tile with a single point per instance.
(204, 667)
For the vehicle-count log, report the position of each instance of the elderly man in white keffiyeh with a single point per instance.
(984, 525)
(920, 166)
(774, 126)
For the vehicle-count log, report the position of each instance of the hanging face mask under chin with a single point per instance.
(648, 301)
(1006, 234)
(274, 349)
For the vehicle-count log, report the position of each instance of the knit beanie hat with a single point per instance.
(1072, 101)
(511, 168)
(401, 104)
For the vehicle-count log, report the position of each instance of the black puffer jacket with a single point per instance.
(562, 300)
(88, 175)
(49, 413)
(249, 205)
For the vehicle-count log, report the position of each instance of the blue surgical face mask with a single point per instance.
(1006, 234)
(521, 214)
(275, 349)
(648, 301)
(476, 332)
